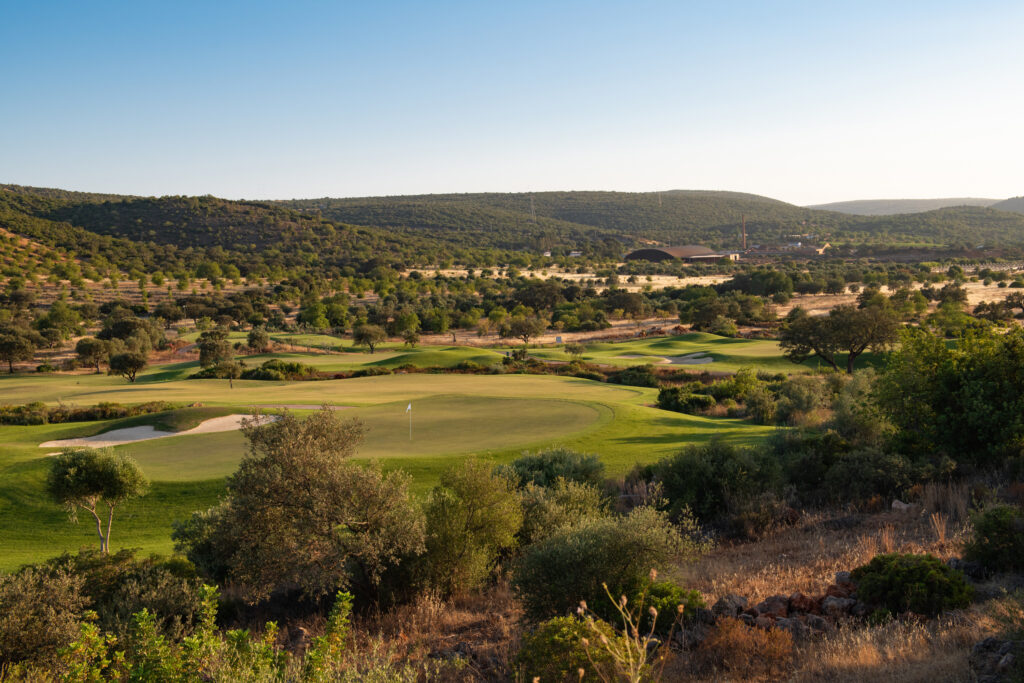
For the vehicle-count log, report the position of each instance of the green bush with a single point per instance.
(666, 597)
(705, 478)
(553, 652)
(544, 468)
(679, 400)
(119, 585)
(998, 541)
(473, 514)
(636, 376)
(555, 574)
(911, 583)
(867, 472)
(39, 613)
(761, 405)
(548, 509)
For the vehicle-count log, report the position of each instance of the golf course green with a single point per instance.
(495, 417)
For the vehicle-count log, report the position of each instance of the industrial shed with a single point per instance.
(689, 252)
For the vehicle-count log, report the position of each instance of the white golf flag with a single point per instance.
(409, 409)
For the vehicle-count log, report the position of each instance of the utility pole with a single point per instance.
(744, 233)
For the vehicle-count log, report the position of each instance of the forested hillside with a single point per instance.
(1015, 204)
(886, 207)
(674, 217)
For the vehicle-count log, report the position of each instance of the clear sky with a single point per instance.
(803, 101)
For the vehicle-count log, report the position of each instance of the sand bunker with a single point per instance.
(118, 437)
(652, 359)
(699, 358)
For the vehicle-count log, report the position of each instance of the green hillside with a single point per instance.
(886, 207)
(1015, 204)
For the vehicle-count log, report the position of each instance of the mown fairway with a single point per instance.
(454, 415)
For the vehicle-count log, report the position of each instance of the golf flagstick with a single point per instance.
(409, 410)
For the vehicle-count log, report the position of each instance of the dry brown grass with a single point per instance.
(898, 651)
(482, 627)
(807, 556)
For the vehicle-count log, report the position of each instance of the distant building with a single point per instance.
(546, 253)
(574, 254)
(689, 252)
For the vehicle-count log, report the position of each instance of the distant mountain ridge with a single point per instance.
(891, 207)
(1015, 204)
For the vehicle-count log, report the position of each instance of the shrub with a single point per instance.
(636, 376)
(120, 585)
(666, 597)
(228, 369)
(704, 478)
(861, 474)
(553, 651)
(798, 395)
(761, 406)
(746, 652)
(547, 510)
(544, 468)
(911, 583)
(680, 401)
(571, 565)
(39, 613)
(372, 372)
(472, 515)
(998, 541)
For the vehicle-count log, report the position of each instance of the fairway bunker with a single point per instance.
(699, 358)
(119, 437)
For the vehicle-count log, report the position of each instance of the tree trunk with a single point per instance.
(10, 366)
(110, 523)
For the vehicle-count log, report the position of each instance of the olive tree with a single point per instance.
(472, 515)
(301, 514)
(15, 347)
(91, 479)
(92, 351)
(368, 336)
(127, 364)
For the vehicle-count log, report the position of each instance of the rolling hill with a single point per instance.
(326, 236)
(1015, 204)
(887, 207)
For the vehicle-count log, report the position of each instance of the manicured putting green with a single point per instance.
(442, 426)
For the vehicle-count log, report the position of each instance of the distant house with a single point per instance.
(546, 253)
(689, 252)
(574, 254)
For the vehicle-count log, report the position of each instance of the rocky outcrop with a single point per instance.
(995, 661)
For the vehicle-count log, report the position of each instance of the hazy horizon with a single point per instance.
(802, 102)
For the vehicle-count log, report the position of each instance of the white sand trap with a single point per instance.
(699, 358)
(652, 359)
(118, 437)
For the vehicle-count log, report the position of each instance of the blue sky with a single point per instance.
(803, 101)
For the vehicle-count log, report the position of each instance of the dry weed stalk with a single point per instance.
(887, 538)
(637, 656)
(952, 499)
(938, 521)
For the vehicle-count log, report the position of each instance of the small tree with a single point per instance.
(524, 327)
(85, 478)
(368, 336)
(15, 347)
(472, 515)
(575, 349)
(258, 339)
(92, 351)
(127, 364)
(214, 347)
